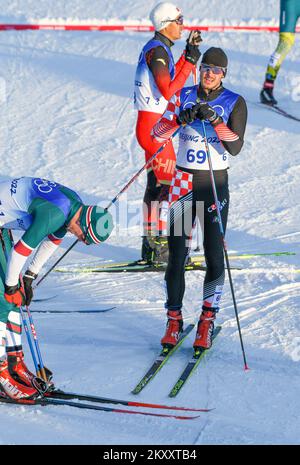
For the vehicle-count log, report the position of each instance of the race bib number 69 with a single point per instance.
(198, 156)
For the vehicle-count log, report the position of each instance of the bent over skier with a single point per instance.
(224, 114)
(46, 211)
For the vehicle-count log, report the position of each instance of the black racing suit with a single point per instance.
(213, 246)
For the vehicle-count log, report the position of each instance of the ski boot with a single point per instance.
(161, 251)
(147, 252)
(173, 329)
(266, 94)
(205, 330)
(23, 375)
(155, 250)
(12, 389)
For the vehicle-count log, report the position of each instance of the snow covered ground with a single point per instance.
(66, 115)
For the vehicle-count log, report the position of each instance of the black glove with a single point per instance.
(192, 53)
(206, 112)
(187, 116)
(194, 38)
(27, 281)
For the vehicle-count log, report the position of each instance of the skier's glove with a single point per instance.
(206, 112)
(28, 279)
(187, 116)
(192, 52)
(194, 38)
(14, 295)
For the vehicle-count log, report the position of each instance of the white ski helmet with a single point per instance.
(162, 14)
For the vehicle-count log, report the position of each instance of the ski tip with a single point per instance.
(190, 409)
(179, 417)
(135, 391)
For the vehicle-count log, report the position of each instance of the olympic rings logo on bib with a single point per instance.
(43, 185)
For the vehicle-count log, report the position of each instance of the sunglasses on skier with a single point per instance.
(178, 20)
(213, 69)
(85, 230)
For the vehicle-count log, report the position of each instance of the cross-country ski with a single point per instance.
(191, 366)
(96, 310)
(48, 401)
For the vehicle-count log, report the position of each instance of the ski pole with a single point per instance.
(56, 263)
(40, 368)
(113, 201)
(197, 249)
(223, 241)
(142, 169)
(24, 322)
(25, 325)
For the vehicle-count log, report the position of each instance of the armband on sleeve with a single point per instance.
(224, 133)
(167, 124)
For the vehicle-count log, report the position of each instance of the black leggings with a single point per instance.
(153, 196)
(183, 211)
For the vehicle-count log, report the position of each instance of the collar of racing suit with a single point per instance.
(163, 39)
(212, 95)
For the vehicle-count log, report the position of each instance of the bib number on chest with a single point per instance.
(199, 156)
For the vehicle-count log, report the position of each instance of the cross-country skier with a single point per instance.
(46, 211)
(157, 79)
(224, 114)
(289, 14)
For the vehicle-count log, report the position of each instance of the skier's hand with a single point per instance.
(14, 295)
(187, 116)
(194, 38)
(28, 279)
(206, 112)
(192, 52)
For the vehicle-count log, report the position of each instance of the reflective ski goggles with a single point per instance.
(214, 69)
(178, 20)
